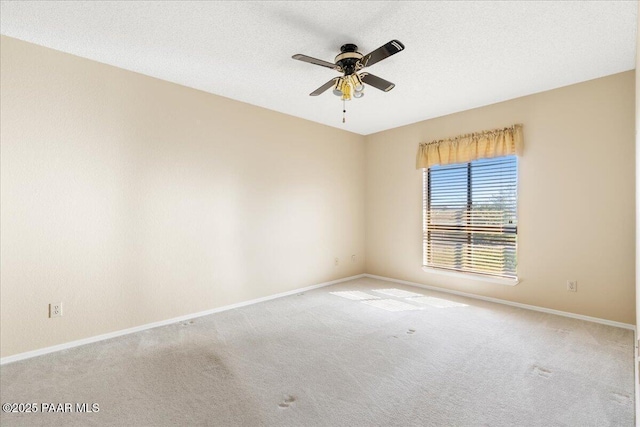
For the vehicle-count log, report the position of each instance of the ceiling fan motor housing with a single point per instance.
(349, 59)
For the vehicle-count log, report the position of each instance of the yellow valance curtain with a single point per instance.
(473, 146)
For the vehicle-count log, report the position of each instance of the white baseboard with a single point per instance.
(502, 301)
(89, 340)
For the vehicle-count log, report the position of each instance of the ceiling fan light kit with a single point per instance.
(349, 85)
(349, 62)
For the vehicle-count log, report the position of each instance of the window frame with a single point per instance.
(476, 276)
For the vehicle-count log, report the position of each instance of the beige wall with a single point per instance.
(134, 200)
(576, 198)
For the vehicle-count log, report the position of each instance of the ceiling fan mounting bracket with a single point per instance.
(348, 47)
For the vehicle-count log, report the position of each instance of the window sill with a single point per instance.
(471, 276)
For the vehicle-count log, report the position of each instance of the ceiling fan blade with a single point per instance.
(323, 88)
(310, 60)
(391, 48)
(377, 82)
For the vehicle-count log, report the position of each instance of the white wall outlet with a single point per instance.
(353, 258)
(55, 309)
(336, 262)
(572, 285)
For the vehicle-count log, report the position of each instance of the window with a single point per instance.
(470, 217)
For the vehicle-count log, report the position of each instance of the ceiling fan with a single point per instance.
(350, 62)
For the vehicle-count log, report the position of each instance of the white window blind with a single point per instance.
(470, 217)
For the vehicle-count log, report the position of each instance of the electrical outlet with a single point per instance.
(353, 258)
(55, 309)
(336, 262)
(572, 286)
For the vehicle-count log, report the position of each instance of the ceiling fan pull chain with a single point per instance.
(344, 111)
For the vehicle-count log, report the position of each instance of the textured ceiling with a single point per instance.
(458, 55)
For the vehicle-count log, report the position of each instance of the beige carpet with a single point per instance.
(355, 354)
